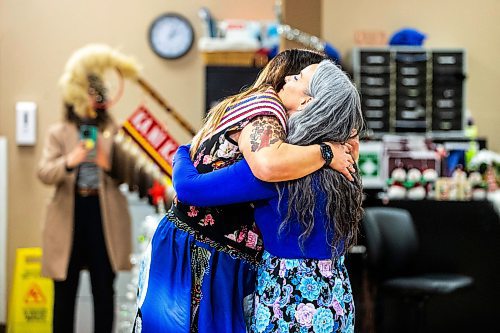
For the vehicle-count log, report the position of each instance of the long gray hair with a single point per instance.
(331, 115)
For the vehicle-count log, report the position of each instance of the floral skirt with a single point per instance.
(186, 285)
(302, 295)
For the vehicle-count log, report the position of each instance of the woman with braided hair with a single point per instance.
(307, 224)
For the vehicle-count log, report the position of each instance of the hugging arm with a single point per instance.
(229, 185)
(271, 159)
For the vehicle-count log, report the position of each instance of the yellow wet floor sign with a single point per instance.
(32, 297)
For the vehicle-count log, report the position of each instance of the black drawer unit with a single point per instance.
(375, 101)
(447, 93)
(448, 60)
(374, 80)
(412, 90)
(223, 81)
(375, 58)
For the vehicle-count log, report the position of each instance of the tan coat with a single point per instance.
(59, 220)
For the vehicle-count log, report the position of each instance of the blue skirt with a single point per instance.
(187, 285)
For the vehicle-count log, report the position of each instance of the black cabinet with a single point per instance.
(223, 81)
(411, 90)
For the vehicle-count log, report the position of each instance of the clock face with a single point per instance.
(171, 36)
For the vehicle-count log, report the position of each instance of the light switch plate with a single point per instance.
(26, 123)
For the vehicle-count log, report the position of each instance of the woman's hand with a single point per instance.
(354, 147)
(102, 156)
(342, 160)
(76, 156)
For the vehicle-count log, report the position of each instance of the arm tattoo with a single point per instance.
(265, 132)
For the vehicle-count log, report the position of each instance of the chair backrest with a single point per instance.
(391, 240)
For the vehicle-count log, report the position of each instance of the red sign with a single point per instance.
(152, 136)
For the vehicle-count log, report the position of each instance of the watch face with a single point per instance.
(171, 36)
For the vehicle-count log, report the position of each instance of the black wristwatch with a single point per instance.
(326, 153)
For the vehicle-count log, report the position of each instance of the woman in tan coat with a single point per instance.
(87, 223)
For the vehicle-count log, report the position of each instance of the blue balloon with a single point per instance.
(273, 52)
(407, 37)
(332, 52)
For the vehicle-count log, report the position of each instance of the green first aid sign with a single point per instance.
(369, 164)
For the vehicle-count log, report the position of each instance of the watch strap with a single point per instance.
(326, 153)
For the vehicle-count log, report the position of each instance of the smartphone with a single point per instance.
(88, 134)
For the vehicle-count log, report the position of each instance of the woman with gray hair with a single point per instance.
(307, 224)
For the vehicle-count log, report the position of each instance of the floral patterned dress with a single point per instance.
(200, 266)
(302, 295)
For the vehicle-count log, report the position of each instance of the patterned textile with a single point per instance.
(188, 286)
(302, 295)
(231, 227)
(201, 267)
(239, 114)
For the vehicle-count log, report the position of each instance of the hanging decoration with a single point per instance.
(309, 41)
(296, 35)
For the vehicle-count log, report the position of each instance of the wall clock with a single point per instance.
(171, 36)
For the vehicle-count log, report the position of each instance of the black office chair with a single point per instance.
(391, 246)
